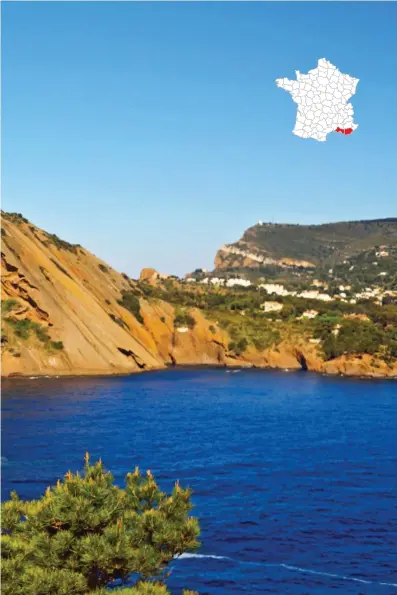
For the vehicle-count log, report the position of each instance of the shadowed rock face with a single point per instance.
(71, 313)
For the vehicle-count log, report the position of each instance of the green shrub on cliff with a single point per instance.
(183, 319)
(131, 303)
(86, 533)
(17, 218)
(52, 238)
(25, 328)
(8, 305)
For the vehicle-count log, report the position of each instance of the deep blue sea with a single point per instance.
(294, 474)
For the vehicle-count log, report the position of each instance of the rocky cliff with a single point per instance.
(66, 312)
(308, 246)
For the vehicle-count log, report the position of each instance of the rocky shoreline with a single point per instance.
(370, 375)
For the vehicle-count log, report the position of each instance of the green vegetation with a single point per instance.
(130, 302)
(325, 244)
(25, 328)
(238, 347)
(248, 330)
(8, 305)
(52, 238)
(355, 337)
(239, 312)
(183, 318)
(86, 533)
(14, 217)
(57, 345)
(103, 268)
(357, 253)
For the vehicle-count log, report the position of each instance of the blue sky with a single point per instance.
(152, 133)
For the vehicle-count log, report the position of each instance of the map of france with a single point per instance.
(322, 97)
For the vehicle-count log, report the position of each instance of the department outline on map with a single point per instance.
(322, 97)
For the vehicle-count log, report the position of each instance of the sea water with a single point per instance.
(294, 474)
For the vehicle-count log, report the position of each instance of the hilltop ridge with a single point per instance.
(288, 245)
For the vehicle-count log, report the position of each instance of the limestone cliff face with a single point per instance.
(243, 254)
(62, 316)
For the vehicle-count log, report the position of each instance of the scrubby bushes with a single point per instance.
(52, 238)
(239, 346)
(17, 218)
(26, 328)
(245, 331)
(354, 337)
(183, 318)
(130, 302)
(8, 305)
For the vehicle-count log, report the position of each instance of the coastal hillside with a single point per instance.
(61, 311)
(66, 312)
(310, 246)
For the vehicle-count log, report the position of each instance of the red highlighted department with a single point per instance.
(344, 130)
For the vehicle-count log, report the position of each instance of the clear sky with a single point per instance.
(152, 133)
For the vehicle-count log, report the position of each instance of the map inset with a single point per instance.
(322, 97)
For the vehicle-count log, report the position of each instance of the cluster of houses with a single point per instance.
(221, 282)
(317, 291)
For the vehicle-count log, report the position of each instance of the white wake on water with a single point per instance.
(288, 567)
(186, 556)
(331, 574)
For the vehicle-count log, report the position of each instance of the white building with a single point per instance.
(309, 314)
(271, 306)
(276, 288)
(217, 281)
(312, 294)
(241, 282)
